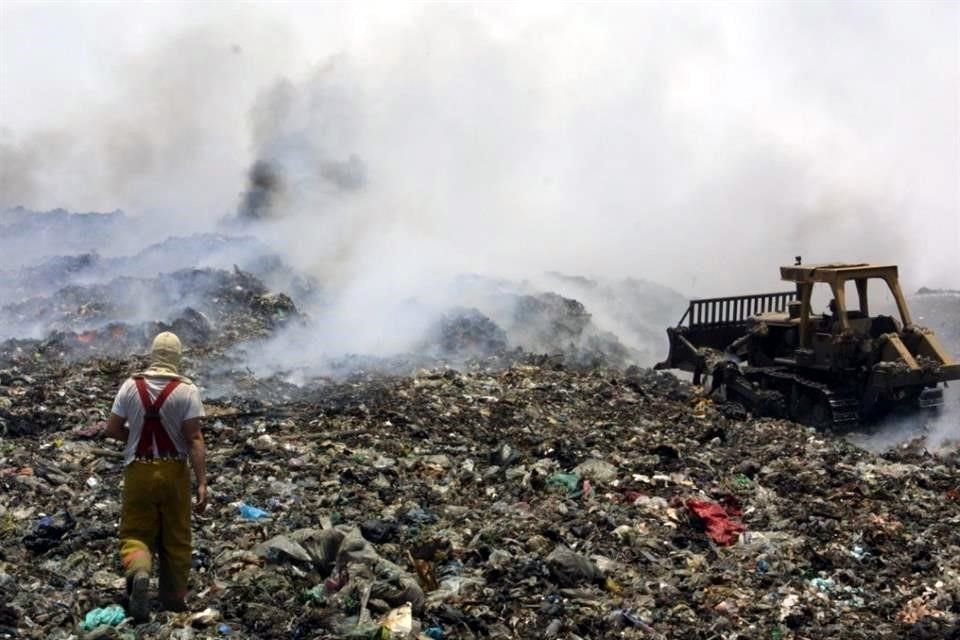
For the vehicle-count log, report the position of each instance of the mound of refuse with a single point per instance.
(510, 474)
(203, 306)
(531, 502)
(464, 333)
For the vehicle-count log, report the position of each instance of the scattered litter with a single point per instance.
(475, 489)
(109, 616)
(717, 520)
(248, 512)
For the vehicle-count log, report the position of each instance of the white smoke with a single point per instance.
(937, 430)
(693, 145)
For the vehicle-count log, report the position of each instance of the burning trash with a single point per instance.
(475, 487)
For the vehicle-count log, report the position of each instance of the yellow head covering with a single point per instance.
(165, 355)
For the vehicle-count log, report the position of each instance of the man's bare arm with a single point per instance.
(198, 460)
(115, 428)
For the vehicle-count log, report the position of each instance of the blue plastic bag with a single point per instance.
(112, 615)
(248, 512)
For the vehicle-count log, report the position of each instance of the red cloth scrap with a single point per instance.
(717, 520)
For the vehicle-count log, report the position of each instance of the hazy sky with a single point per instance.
(700, 145)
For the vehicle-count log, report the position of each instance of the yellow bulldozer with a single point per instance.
(771, 353)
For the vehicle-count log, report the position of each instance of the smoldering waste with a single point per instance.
(512, 495)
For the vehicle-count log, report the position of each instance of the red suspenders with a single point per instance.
(153, 431)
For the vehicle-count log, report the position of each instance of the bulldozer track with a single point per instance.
(843, 405)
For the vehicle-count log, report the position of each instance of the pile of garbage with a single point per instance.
(545, 323)
(208, 308)
(57, 285)
(465, 333)
(514, 476)
(535, 501)
(551, 323)
(591, 322)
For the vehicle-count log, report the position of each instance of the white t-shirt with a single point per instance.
(183, 404)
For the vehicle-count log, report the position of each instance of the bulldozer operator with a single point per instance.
(829, 319)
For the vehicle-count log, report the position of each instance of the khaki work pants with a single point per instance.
(155, 518)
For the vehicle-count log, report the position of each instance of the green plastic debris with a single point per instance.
(776, 633)
(569, 480)
(317, 593)
(823, 585)
(111, 616)
(742, 481)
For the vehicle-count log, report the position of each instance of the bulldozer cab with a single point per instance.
(840, 318)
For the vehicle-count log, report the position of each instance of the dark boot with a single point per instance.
(139, 589)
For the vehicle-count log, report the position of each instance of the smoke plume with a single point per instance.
(387, 152)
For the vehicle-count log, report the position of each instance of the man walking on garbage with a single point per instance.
(161, 410)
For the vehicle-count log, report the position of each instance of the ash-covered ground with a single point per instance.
(509, 469)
